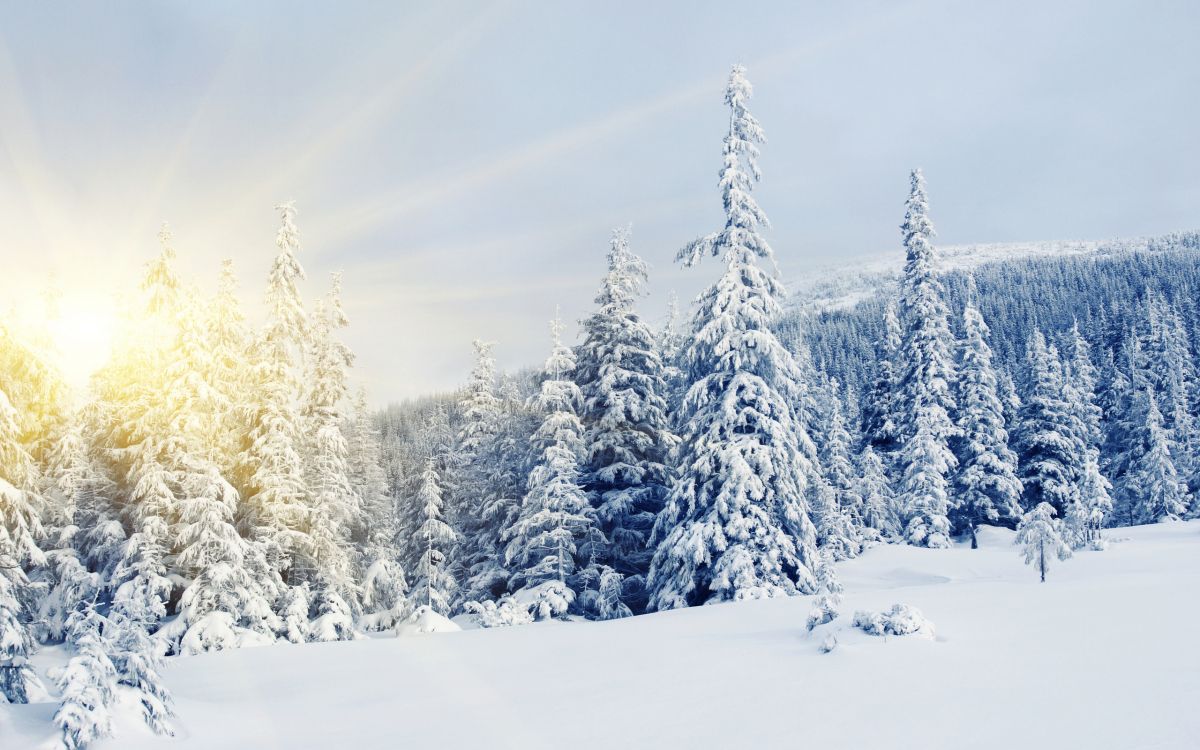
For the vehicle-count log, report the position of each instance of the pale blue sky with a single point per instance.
(464, 162)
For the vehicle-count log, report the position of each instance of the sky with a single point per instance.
(465, 163)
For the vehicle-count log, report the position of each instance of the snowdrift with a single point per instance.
(1103, 655)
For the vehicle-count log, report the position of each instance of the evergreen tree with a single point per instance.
(736, 523)
(277, 510)
(838, 511)
(624, 412)
(879, 500)
(1085, 519)
(483, 503)
(1161, 494)
(555, 516)
(925, 379)
(434, 582)
(1040, 536)
(882, 414)
(1050, 454)
(87, 684)
(989, 490)
(335, 507)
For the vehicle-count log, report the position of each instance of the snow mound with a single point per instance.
(901, 619)
(994, 536)
(425, 620)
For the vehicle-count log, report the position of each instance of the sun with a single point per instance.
(81, 335)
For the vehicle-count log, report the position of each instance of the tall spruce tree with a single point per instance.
(555, 517)
(988, 488)
(926, 377)
(624, 414)
(1050, 454)
(736, 524)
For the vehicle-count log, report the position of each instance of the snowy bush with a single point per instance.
(901, 619)
(500, 614)
(426, 620)
(824, 610)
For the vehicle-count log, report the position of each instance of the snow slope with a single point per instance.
(845, 283)
(1104, 655)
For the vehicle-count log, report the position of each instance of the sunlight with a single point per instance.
(81, 336)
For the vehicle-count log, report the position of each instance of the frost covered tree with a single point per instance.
(882, 412)
(1085, 519)
(624, 413)
(334, 505)
(1161, 494)
(277, 511)
(137, 660)
(736, 524)
(19, 526)
(484, 491)
(555, 517)
(1040, 536)
(988, 488)
(878, 498)
(375, 531)
(837, 512)
(433, 581)
(1050, 453)
(385, 595)
(87, 684)
(925, 378)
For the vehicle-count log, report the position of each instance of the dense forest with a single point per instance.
(222, 484)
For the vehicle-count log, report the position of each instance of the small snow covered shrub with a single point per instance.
(829, 594)
(500, 614)
(426, 620)
(824, 610)
(901, 619)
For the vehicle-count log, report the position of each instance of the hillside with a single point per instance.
(843, 284)
(1101, 656)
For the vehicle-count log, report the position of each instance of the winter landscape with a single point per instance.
(937, 496)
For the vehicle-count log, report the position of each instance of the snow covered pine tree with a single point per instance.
(736, 524)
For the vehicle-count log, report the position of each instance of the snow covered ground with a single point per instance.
(1103, 655)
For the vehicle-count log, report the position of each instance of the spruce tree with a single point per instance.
(277, 510)
(1161, 494)
(1040, 536)
(624, 413)
(1050, 454)
(555, 517)
(433, 582)
(736, 524)
(882, 412)
(988, 488)
(925, 380)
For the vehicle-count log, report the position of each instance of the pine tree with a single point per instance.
(137, 661)
(925, 379)
(989, 491)
(879, 500)
(837, 514)
(87, 684)
(1085, 519)
(434, 582)
(736, 523)
(1050, 454)
(484, 498)
(1040, 536)
(335, 508)
(1162, 495)
(375, 532)
(277, 510)
(882, 415)
(624, 412)
(555, 516)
